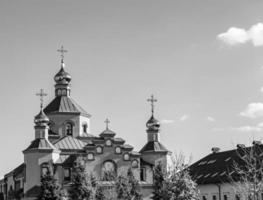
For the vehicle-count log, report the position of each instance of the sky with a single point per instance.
(202, 60)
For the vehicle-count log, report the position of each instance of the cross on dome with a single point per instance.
(152, 100)
(62, 51)
(107, 121)
(41, 94)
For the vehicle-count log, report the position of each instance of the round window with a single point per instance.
(126, 157)
(99, 149)
(118, 150)
(90, 156)
(108, 142)
(134, 163)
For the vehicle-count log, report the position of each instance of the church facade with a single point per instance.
(62, 133)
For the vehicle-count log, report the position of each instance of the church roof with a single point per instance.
(41, 144)
(64, 104)
(153, 146)
(69, 143)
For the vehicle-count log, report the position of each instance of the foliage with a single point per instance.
(109, 176)
(127, 187)
(81, 188)
(50, 190)
(158, 181)
(247, 179)
(174, 183)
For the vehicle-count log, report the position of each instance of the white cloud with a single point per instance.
(261, 89)
(253, 110)
(247, 129)
(240, 129)
(184, 117)
(235, 36)
(210, 119)
(167, 121)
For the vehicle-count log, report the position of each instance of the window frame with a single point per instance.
(67, 132)
(67, 178)
(143, 174)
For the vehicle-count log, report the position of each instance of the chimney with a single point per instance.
(255, 142)
(241, 146)
(215, 149)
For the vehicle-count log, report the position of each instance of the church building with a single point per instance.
(62, 133)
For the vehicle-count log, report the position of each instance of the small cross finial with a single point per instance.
(152, 100)
(107, 121)
(42, 94)
(62, 51)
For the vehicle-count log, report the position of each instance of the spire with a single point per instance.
(152, 100)
(152, 124)
(41, 119)
(62, 51)
(41, 94)
(62, 78)
(107, 121)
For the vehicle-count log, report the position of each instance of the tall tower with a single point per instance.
(39, 152)
(67, 118)
(62, 78)
(153, 151)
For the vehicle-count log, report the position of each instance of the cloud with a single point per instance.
(253, 110)
(210, 119)
(247, 129)
(184, 117)
(235, 36)
(241, 129)
(261, 89)
(167, 121)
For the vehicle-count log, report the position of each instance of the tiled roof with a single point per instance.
(62, 159)
(153, 146)
(143, 163)
(118, 140)
(69, 143)
(219, 167)
(66, 160)
(19, 169)
(135, 153)
(127, 146)
(40, 143)
(64, 104)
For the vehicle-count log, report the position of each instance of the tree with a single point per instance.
(135, 191)
(81, 188)
(49, 189)
(127, 187)
(247, 172)
(158, 181)
(174, 183)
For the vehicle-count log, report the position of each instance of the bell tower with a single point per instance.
(62, 78)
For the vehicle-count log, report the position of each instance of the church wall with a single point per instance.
(59, 121)
(83, 120)
(96, 165)
(155, 158)
(33, 168)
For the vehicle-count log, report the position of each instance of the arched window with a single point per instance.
(109, 170)
(69, 128)
(44, 169)
(85, 127)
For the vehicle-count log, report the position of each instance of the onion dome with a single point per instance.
(41, 119)
(153, 124)
(62, 77)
